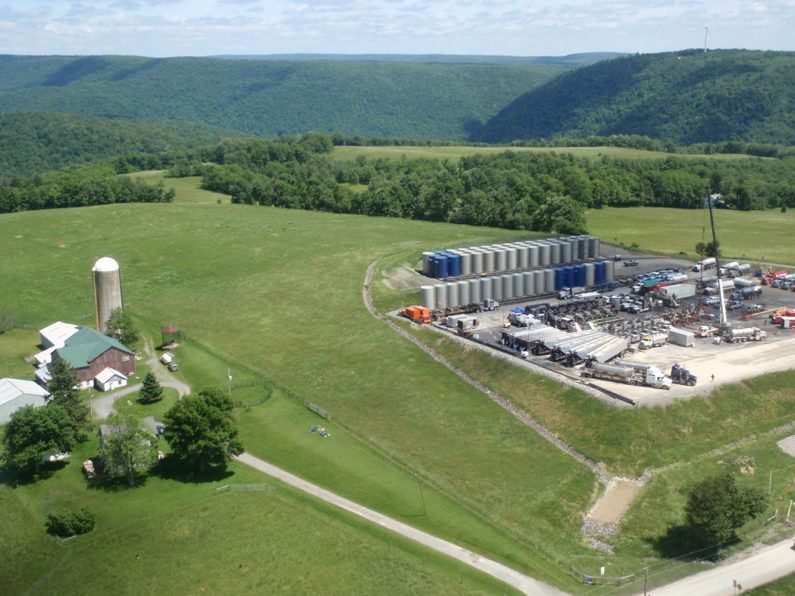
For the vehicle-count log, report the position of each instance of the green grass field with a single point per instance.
(274, 295)
(350, 153)
(760, 236)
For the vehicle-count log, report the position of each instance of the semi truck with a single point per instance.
(682, 376)
(653, 341)
(708, 263)
(743, 334)
(650, 376)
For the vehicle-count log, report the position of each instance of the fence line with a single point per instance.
(66, 541)
(245, 487)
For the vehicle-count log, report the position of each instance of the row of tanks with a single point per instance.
(497, 258)
(524, 284)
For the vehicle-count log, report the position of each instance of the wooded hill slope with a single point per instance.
(271, 98)
(684, 97)
(32, 143)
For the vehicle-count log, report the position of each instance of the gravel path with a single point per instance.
(103, 406)
(521, 582)
(492, 395)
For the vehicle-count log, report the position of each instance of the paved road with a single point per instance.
(521, 582)
(770, 563)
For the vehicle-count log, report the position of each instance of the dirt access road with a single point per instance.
(513, 578)
(103, 406)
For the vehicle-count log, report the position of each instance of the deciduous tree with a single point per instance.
(35, 432)
(201, 431)
(128, 445)
(717, 507)
(121, 326)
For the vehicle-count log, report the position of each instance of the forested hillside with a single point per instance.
(31, 143)
(685, 97)
(270, 98)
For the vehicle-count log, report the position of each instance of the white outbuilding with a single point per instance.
(109, 379)
(18, 393)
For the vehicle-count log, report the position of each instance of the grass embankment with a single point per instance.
(759, 236)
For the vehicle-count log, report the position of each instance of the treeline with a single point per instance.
(77, 187)
(513, 189)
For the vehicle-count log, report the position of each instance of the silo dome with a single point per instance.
(106, 264)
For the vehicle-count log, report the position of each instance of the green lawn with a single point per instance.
(760, 236)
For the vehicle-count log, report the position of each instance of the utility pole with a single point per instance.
(645, 580)
(229, 381)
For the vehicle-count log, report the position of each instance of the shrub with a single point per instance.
(70, 523)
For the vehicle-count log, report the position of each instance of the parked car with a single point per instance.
(631, 263)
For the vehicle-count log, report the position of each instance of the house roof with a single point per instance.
(11, 389)
(58, 333)
(149, 425)
(107, 374)
(87, 345)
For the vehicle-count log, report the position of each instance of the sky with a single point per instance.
(161, 28)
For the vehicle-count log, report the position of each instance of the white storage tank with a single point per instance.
(538, 281)
(488, 260)
(474, 291)
(507, 286)
(463, 292)
(512, 257)
(496, 287)
(485, 288)
(466, 261)
(426, 264)
(566, 253)
(549, 280)
(452, 294)
(544, 254)
(554, 252)
(575, 248)
(522, 255)
(609, 270)
(477, 261)
(518, 285)
(533, 258)
(527, 282)
(590, 274)
(593, 247)
(441, 296)
(428, 294)
(500, 260)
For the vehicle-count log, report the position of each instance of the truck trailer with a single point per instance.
(650, 376)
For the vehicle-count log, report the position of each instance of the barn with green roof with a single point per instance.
(90, 352)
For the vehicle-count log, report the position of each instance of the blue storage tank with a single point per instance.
(453, 264)
(440, 266)
(599, 273)
(560, 278)
(568, 272)
(579, 275)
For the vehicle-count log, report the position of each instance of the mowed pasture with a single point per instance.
(456, 152)
(280, 292)
(758, 236)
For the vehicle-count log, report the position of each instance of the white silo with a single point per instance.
(107, 290)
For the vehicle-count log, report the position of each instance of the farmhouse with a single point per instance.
(17, 393)
(90, 352)
(107, 430)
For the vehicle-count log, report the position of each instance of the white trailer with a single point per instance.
(681, 337)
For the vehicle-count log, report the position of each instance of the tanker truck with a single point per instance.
(651, 376)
